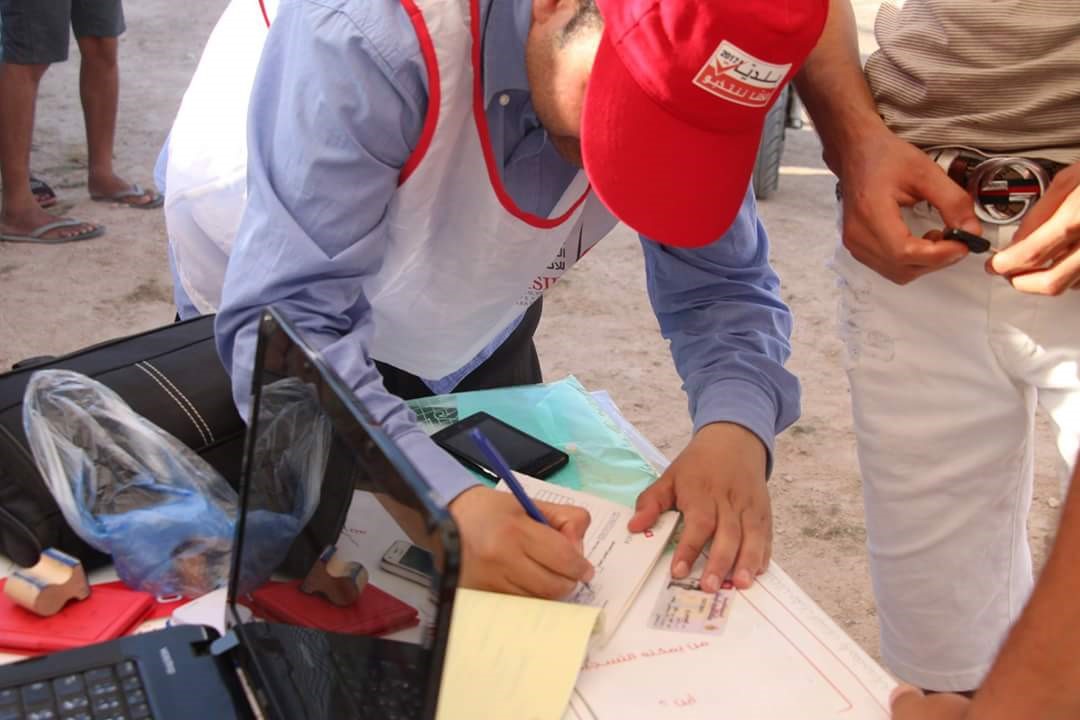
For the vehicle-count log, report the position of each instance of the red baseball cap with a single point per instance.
(676, 102)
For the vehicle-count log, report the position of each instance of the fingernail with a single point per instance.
(902, 689)
(590, 573)
(711, 583)
(681, 569)
(743, 579)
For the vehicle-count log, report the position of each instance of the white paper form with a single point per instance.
(780, 657)
(622, 560)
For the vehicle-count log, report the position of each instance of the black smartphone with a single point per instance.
(975, 243)
(522, 451)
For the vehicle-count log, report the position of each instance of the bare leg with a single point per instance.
(99, 89)
(20, 213)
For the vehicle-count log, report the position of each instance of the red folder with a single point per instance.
(163, 606)
(107, 613)
(374, 612)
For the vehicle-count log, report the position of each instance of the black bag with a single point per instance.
(170, 375)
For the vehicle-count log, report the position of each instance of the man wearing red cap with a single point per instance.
(414, 185)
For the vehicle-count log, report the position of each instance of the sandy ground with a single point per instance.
(597, 322)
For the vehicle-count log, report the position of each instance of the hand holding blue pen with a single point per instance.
(502, 469)
(506, 474)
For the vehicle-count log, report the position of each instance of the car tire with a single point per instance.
(766, 176)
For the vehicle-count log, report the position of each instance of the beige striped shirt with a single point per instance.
(999, 75)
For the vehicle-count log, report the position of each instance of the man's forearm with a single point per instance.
(832, 86)
(719, 307)
(1037, 673)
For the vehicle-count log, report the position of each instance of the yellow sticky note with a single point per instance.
(512, 657)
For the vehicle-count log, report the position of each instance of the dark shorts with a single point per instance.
(35, 32)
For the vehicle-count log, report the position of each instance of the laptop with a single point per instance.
(321, 480)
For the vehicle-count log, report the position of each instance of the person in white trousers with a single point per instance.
(968, 116)
(1037, 674)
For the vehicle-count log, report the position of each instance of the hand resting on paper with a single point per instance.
(504, 550)
(718, 484)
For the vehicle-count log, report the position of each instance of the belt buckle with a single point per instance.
(1004, 188)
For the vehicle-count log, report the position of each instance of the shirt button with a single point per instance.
(504, 99)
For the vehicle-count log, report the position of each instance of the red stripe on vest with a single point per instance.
(485, 137)
(431, 62)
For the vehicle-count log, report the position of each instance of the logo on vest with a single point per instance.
(557, 267)
(737, 76)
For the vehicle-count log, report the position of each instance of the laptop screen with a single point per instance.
(336, 532)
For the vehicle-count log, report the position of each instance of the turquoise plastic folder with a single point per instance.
(603, 460)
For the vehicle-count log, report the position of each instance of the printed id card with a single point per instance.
(682, 606)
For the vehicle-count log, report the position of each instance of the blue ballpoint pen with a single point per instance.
(502, 469)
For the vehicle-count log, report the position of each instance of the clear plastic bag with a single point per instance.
(292, 447)
(128, 488)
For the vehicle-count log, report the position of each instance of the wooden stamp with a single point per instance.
(339, 581)
(45, 588)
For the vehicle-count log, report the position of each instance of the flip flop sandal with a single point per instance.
(38, 234)
(134, 191)
(42, 192)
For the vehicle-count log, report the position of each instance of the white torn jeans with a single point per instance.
(945, 375)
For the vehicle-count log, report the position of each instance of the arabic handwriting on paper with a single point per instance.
(646, 654)
(622, 560)
(354, 536)
(682, 701)
(774, 631)
(763, 637)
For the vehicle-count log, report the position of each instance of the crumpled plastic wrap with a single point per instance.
(128, 488)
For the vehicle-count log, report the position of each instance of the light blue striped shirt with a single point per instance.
(337, 107)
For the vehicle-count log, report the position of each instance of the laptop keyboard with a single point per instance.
(386, 689)
(112, 692)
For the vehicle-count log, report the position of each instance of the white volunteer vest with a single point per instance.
(464, 260)
(206, 174)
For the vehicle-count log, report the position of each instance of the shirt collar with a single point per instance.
(506, 24)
